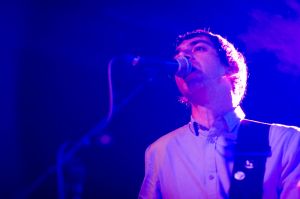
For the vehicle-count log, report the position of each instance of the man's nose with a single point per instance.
(187, 54)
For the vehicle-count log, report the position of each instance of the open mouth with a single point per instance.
(195, 75)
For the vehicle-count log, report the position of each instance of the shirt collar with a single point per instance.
(232, 118)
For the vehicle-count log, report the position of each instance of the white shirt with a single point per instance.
(181, 165)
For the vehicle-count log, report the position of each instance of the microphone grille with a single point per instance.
(184, 66)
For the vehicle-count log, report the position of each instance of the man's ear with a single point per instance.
(228, 72)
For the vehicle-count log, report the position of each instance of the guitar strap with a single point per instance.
(251, 152)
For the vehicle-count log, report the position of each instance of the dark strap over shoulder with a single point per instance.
(251, 152)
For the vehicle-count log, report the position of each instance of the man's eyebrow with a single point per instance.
(193, 43)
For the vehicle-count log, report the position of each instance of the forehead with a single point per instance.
(189, 43)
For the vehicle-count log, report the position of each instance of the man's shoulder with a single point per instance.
(277, 129)
(283, 132)
(283, 127)
(172, 136)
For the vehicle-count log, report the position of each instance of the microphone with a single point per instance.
(180, 66)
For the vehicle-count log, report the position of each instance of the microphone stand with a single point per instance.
(64, 156)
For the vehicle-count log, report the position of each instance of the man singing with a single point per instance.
(219, 153)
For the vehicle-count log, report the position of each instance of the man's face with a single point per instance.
(208, 70)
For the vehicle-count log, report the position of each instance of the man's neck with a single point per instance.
(207, 116)
(217, 100)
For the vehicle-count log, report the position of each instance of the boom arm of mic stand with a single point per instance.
(62, 157)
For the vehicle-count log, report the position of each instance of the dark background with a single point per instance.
(53, 81)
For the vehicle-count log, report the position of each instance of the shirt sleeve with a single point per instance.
(291, 167)
(150, 188)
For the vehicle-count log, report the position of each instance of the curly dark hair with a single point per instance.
(229, 56)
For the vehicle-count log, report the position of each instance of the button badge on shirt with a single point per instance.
(249, 164)
(239, 175)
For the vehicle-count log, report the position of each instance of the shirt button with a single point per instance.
(211, 177)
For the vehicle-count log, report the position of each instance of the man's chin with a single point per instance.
(199, 99)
